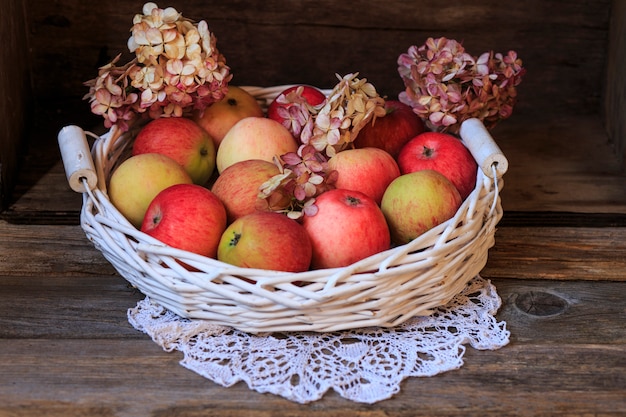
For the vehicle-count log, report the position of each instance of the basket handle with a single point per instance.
(484, 148)
(79, 167)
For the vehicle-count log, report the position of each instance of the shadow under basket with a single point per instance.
(384, 289)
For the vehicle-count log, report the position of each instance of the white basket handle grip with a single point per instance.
(484, 149)
(77, 159)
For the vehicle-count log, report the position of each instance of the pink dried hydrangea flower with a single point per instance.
(177, 68)
(323, 131)
(445, 85)
(303, 176)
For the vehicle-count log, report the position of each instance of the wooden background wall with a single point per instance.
(564, 45)
(615, 104)
(14, 91)
(269, 42)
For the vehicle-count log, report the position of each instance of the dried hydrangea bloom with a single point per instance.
(177, 67)
(445, 85)
(351, 105)
(303, 176)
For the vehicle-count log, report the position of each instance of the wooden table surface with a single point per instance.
(67, 349)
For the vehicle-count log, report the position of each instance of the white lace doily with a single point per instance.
(364, 365)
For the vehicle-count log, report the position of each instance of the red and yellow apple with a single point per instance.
(138, 179)
(348, 226)
(181, 139)
(187, 217)
(391, 131)
(368, 170)
(254, 138)
(219, 117)
(238, 186)
(443, 153)
(266, 240)
(416, 202)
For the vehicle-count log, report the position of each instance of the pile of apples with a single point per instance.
(193, 184)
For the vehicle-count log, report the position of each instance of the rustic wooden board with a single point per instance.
(560, 361)
(560, 164)
(561, 253)
(49, 251)
(615, 97)
(16, 91)
(564, 44)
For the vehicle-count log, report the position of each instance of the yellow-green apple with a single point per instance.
(254, 138)
(391, 131)
(266, 240)
(443, 153)
(368, 170)
(219, 117)
(238, 186)
(416, 202)
(187, 217)
(138, 179)
(184, 141)
(288, 107)
(348, 226)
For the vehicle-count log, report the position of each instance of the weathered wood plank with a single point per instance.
(66, 349)
(66, 307)
(560, 164)
(15, 86)
(278, 42)
(49, 251)
(133, 377)
(615, 98)
(555, 312)
(559, 253)
(95, 307)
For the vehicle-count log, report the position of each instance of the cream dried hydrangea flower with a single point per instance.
(351, 105)
(177, 68)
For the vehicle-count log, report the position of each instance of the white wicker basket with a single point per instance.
(382, 290)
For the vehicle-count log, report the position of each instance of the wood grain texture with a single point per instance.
(560, 253)
(561, 365)
(615, 97)
(16, 94)
(49, 251)
(278, 42)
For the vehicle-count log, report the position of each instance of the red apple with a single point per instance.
(266, 240)
(219, 117)
(284, 107)
(443, 153)
(187, 217)
(416, 202)
(368, 170)
(390, 132)
(349, 226)
(181, 139)
(238, 186)
(254, 138)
